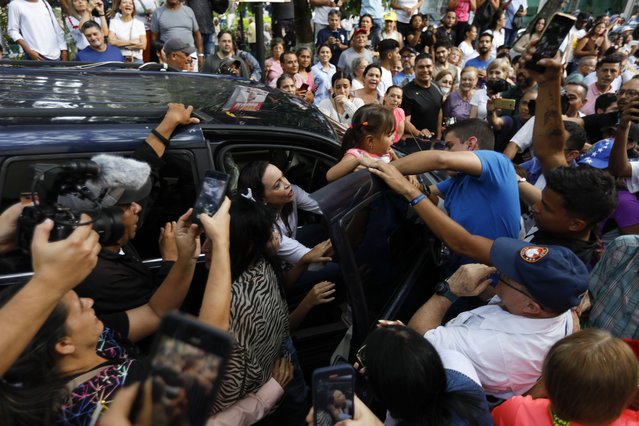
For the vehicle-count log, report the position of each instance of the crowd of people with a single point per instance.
(541, 218)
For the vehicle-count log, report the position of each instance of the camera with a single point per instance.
(55, 183)
(497, 86)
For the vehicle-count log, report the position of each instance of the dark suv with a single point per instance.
(55, 115)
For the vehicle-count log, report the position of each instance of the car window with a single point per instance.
(304, 168)
(177, 190)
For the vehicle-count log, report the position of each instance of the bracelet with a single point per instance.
(521, 179)
(416, 200)
(162, 139)
(200, 54)
(101, 14)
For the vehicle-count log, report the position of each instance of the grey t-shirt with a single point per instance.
(179, 23)
(348, 56)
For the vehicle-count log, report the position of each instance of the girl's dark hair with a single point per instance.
(251, 229)
(371, 119)
(299, 51)
(394, 86)
(31, 391)
(340, 75)
(407, 375)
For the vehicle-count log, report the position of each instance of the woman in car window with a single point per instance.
(266, 183)
(341, 106)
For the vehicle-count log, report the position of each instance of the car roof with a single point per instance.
(49, 95)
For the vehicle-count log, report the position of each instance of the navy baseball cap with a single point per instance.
(553, 275)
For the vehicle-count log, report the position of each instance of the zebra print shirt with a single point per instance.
(259, 324)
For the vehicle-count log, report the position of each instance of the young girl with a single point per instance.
(371, 133)
(392, 102)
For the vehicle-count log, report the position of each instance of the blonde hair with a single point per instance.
(590, 376)
(501, 63)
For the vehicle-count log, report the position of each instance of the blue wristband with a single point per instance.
(416, 200)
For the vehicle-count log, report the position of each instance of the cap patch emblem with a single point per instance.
(533, 254)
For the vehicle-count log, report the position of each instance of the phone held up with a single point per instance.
(211, 195)
(552, 38)
(188, 360)
(333, 394)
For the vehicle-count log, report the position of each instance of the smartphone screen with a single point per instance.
(211, 195)
(187, 363)
(333, 394)
(554, 35)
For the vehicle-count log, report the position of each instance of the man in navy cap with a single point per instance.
(506, 340)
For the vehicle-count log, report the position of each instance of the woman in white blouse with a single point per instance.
(341, 105)
(128, 33)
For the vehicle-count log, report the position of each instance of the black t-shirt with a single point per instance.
(595, 123)
(423, 105)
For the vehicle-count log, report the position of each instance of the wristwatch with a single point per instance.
(443, 289)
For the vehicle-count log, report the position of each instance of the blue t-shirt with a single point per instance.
(478, 63)
(488, 204)
(89, 54)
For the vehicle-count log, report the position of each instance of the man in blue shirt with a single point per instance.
(481, 62)
(97, 50)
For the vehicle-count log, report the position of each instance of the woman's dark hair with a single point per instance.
(369, 16)
(251, 230)
(371, 66)
(340, 75)
(407, 376)
(278, 40)
(31, 391)
(469, 29)
(496, 17)
(533, 29)
(299, 52)
(371, 119)
(251, 178)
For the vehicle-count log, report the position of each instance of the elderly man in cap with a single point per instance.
(359, 40)
(120, 281)
(178, 55)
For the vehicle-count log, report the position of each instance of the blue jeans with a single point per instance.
(208, 44)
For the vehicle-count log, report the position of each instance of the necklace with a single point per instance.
(556, 420)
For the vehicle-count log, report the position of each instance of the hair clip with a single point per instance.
(248, 195)
(350, 126)
(364, 123)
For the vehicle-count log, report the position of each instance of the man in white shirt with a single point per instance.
(507, 340)
(34, 26)
(388, 54)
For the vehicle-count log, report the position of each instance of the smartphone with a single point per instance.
(507, 104)
(211, 195)
(303, 87)
(333, 394)
(188, 360)
(553, 36)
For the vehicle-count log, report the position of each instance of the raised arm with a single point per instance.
(216, 302)
(426, 161)
(57, 268)
(144, 320)
(549, 135)
(445, 228)
(618, 163)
